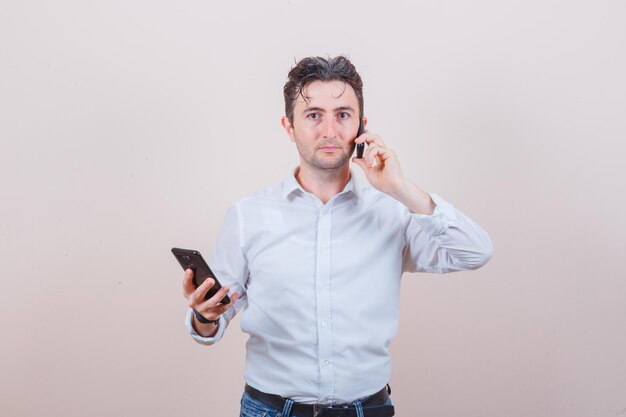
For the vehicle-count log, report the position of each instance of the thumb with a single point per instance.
(360, 162)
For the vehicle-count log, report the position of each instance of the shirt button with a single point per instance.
(325, 363)
(323, 247)
(325, 211)
(324, 324)
(323, 286)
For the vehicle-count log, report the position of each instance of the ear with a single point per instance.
(364, 122)
(288, 127)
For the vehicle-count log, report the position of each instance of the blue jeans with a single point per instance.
(251, 407)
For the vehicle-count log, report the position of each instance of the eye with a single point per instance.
(344, 115)
(313, 116)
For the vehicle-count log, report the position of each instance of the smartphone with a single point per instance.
(360, 147)
(191, 259)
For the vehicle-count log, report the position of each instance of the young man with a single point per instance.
(316, 261)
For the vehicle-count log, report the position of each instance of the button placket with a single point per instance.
(323, 273)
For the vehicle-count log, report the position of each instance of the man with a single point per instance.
(316, 261)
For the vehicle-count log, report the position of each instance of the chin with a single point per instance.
(330, 164)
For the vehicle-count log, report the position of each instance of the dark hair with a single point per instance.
(317, 68)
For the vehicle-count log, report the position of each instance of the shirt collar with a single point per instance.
(291, 185)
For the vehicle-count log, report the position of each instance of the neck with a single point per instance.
(323, 183)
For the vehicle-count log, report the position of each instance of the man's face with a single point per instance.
(325, 124)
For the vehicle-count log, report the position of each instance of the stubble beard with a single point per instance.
(319, 162)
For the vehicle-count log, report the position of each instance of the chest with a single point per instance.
(291, 249)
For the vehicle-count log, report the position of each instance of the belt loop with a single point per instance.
(359, 408)
(287, 408)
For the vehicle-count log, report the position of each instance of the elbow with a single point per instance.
(483, 255)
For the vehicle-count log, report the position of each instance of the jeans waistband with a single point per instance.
(373, 406)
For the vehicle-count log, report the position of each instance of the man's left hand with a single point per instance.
(382, 170)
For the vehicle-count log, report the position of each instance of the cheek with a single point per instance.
(306, 132)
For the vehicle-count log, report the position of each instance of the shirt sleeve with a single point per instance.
(231, 268)
(445, 241)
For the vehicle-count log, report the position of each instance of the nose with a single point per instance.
(330, 130)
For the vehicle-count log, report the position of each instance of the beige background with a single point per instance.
(128, 127)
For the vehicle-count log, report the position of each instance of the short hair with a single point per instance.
(311, 69)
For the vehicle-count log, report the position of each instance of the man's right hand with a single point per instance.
(210, 309)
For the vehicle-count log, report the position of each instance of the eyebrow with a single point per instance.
(319, 109)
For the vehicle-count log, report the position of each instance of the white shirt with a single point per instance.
(321, 283)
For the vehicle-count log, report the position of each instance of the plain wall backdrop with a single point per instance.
(128, 127)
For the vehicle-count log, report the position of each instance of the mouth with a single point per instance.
(329, 148)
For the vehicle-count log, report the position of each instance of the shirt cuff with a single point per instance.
(442, 218)
(221, 326)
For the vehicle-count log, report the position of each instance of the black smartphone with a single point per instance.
(360, 147)
(191, 259)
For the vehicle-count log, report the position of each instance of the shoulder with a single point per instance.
(267, 195)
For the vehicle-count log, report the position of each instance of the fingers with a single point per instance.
(376, 151)
(222, 308)
(213, 311)
(218, 296)
(188, 287)
(373, 157)
(376, 155)
(210, 309)
(370, 139)
(197, 296)
(380, 165)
